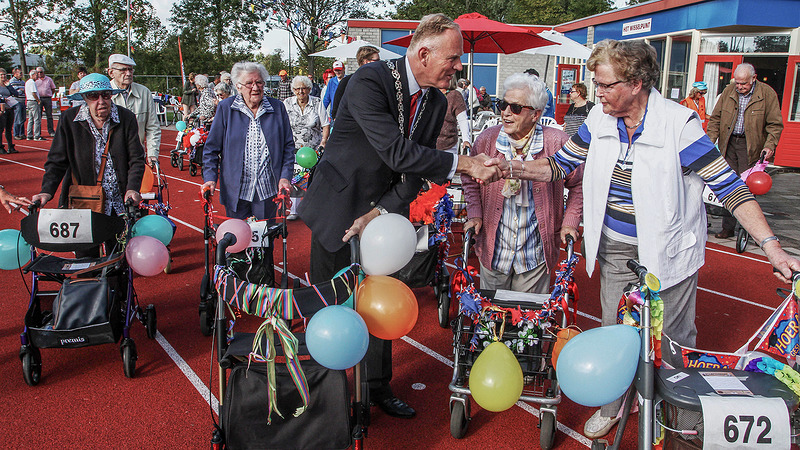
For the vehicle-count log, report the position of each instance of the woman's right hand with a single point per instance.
(42, 198)
(475, 222)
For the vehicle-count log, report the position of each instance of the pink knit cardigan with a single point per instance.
(486, 202)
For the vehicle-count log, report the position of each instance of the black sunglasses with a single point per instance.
(516, 109)
(95, 95)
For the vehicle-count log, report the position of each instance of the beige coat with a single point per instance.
(763, 123)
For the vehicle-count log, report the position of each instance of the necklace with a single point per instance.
(633, 127)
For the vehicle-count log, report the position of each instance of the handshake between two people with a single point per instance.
(486, 170)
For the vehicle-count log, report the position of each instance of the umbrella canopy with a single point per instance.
(483, 35)
(567, 48)
(349, 51)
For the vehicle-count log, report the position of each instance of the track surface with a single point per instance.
(84, 400)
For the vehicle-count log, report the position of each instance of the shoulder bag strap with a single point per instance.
(103, 159)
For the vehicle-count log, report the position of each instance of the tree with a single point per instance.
(221, 25)
(90, 30)
(313, 23)
(19, 23)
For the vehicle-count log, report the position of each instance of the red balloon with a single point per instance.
(759, 183)
(388, 306)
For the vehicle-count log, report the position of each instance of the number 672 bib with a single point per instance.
(745, 422)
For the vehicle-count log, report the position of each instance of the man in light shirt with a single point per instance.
(45, 87)
(34, 106)
(138, 99)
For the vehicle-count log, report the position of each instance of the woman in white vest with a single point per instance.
(646, 159)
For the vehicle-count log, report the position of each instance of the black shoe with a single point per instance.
(12, 150)
(3, 151)
(395, 407)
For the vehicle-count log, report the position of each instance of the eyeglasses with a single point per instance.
(95, 95)
(250, 84)
(126, 69)
(606, 87)
(515, 109)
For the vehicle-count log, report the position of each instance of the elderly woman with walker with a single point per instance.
(646, 159)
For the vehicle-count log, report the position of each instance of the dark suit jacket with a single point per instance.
(366, 155)
(72, 151)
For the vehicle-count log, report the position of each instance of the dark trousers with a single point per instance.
(736, 156)
(47, 107)
(6, 128)
(324, 265)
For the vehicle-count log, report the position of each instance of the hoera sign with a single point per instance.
(637, 27)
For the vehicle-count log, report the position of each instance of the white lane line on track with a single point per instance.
(188, 372)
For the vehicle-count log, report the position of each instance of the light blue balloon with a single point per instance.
(349, 301)
(597, 366)
(14, 251)
(154, 225)
(180, 125)
(337, 337)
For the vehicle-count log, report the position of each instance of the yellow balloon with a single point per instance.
(496, 378)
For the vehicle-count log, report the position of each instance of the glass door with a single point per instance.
(567, 76)
(717, 72)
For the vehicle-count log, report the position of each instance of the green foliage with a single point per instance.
(18, 23)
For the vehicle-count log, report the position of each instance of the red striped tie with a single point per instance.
(413, 109)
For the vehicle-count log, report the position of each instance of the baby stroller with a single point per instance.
(531, 338)
(96, 302)
(259, 379)
(675, 400)
(253, 265)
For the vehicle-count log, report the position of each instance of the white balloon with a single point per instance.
(194, 139)
(387, 244)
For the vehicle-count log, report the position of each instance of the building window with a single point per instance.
(770, 43)
(388, 35)
(678, 68)
(484, 72)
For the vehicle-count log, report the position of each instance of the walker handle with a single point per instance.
(638, 269)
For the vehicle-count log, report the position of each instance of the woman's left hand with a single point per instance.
(284, 185)
(133, 195)
(567, 230)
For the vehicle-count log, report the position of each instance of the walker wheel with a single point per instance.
(458, 420)
(741, 240)
(547, 430)
(193, 169)
(599, 444)
(31, 365)
(444, 306)
(151, 321)
(207, 317)
(129, 357)
(180, 163)
(173, 159)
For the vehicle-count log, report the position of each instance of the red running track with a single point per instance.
(84, 400)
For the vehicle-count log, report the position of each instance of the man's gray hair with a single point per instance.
(223, 88)
(430, 27)
(747, 67)
(534, 88)
(301, 79)
(243, 67)
(201, 81)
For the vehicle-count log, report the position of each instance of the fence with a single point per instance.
(163, 84)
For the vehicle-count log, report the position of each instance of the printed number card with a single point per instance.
(745, 423)
(65, 226)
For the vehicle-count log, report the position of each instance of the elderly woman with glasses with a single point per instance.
(310, 123)
(646, 159)
(696, 101)
(520, 224)
(250, 148)
(82, 136)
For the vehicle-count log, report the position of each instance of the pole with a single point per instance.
(129, 26)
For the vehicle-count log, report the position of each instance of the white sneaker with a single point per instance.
(598, 426)
(292, 217)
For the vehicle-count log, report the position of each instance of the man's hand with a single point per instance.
(768, 153)
(133, 195)
(567, 230)
(475, 223)
(501, 164)
(782, 261)
(42, 198)
(359, 224)
(209, 186)
(474, 166)
(12, 202)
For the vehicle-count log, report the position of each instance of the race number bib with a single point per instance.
(745, 423)
(260, 234)
(65, 226)
(709, 197)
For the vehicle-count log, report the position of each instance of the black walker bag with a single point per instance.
(85, 312)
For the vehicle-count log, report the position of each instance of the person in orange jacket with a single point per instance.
(697, 101)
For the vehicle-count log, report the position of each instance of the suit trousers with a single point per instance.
(736, 156)
(324, 265)
(679, 300)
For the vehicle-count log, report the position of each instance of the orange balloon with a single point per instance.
(388, 306)
(564, 335)
(148, 179)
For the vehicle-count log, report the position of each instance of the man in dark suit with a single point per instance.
(376, 158)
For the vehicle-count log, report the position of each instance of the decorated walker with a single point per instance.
(504, 344)
(190, 142)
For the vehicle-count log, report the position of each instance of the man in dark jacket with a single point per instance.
(80, 141)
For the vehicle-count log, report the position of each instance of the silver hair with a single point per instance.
(747, 67)
(225, 76)
(223, 88)
(301, 79)
(243, 67)
(534, 88)
(201, 81)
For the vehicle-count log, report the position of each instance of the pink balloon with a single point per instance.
(147, 255)
(240, 229)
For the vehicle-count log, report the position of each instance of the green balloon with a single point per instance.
(14, 251)
(306, 157)
(180, 125)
